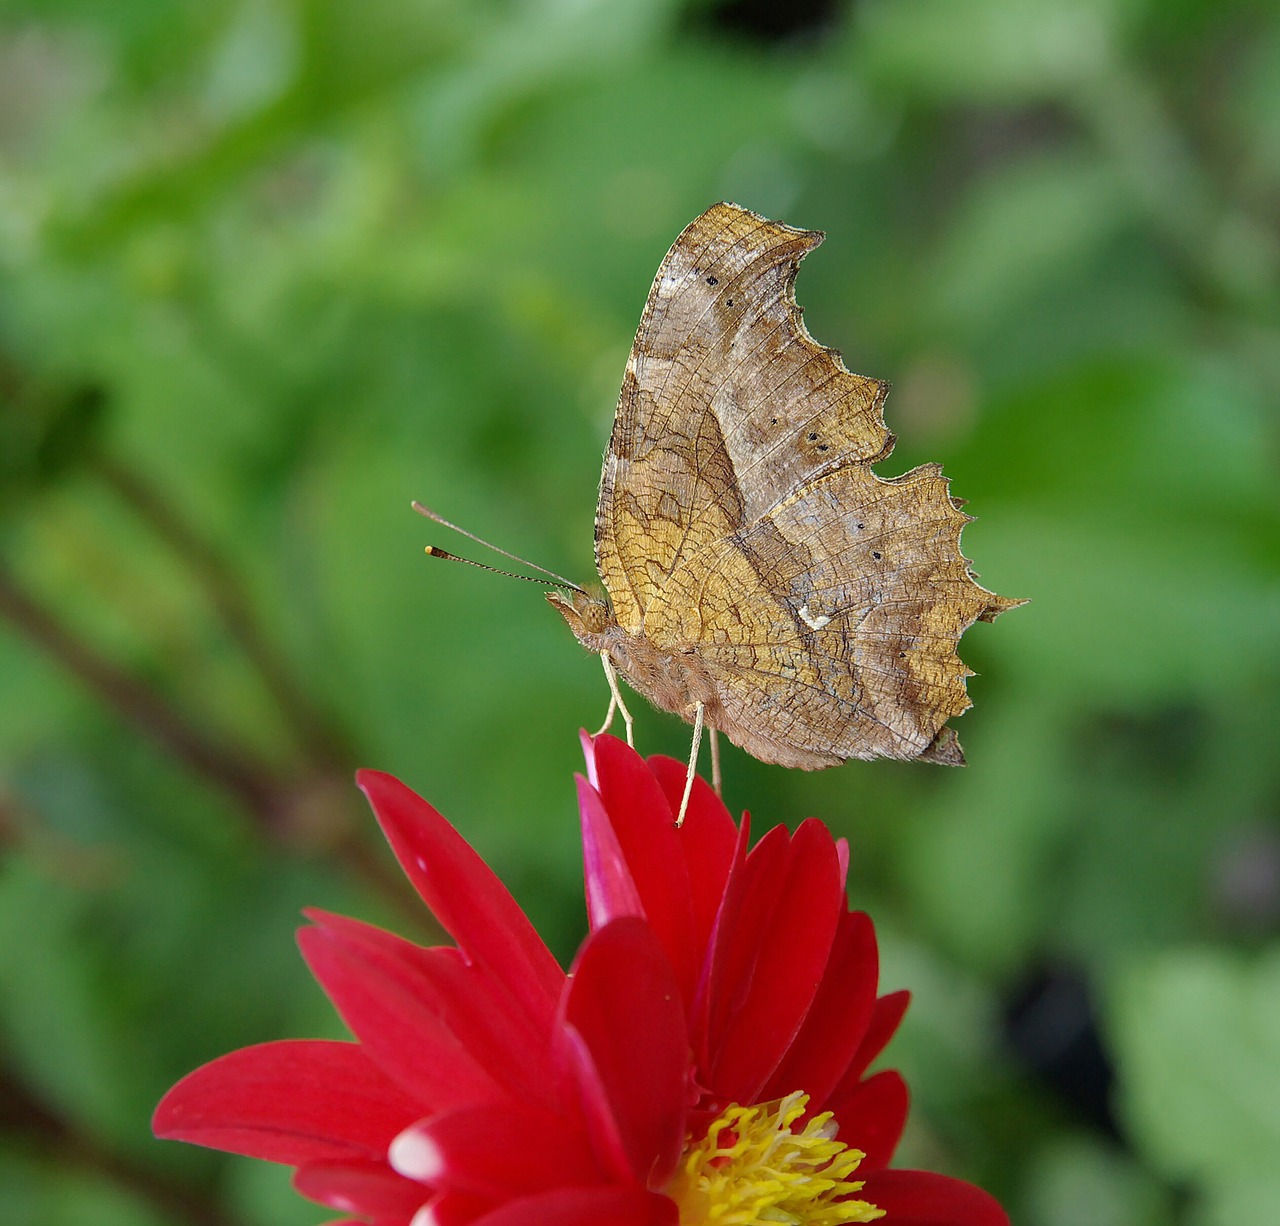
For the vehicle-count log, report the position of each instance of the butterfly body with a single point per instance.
(673, 679)
(755, 566)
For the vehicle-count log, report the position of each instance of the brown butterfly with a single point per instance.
(760, 578)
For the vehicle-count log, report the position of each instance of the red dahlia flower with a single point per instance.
(704, 1062)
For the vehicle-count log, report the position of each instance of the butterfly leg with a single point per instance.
(693, 762)
(714, 738)
(615, 700)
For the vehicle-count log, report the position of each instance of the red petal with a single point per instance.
(610, 891)
(477, 1008)
(624, 1002)
(707, 841)
(586, 1207)
(730, 956)
(716, 969)
(921, 1198)
(786, 926)
(837, 1021)
(586, 1096)
(463, 893)
(885, 1019)
(644, 827)
(496, 1152)
(872, 1117)
(293, 1102)
(371, 1188)
(416, 1034)
(450, 1209)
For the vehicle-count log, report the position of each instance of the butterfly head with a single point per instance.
(588, 614)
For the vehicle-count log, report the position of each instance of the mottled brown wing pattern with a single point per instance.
(852, 592)
(740, 522)
(721, 332)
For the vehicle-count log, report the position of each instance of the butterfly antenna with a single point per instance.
(433, 552)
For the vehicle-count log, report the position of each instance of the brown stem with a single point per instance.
(21, 1113)
(269, 800)
(232, 605)
(231, 770)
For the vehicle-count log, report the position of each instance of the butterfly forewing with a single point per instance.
(721, 332)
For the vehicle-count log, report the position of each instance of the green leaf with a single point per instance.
(1197, 1036)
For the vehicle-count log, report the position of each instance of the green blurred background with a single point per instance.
(271, 268)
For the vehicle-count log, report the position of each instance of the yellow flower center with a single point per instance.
(753, 1169)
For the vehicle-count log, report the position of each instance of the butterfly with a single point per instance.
(760, 579)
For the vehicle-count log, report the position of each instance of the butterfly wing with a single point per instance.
(829, 627)
(740, 522)
(720, 331)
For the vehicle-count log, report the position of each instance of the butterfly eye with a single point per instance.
(594, 614)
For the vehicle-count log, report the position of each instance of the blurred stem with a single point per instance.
(9, 823)
(322, 743)
(230, 770)
(60, 1142)
(278, 806)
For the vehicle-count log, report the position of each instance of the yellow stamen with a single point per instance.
(751, 1169)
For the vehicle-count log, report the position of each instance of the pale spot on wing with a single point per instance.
(814, 623)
